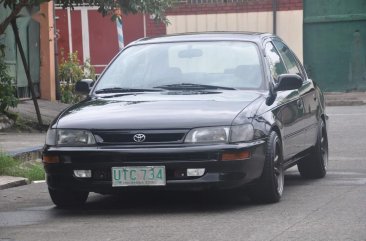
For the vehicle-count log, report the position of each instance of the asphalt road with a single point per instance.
(333, 208)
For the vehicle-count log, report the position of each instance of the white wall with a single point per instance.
(289, 25)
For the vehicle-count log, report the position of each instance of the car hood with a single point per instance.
(161, 110)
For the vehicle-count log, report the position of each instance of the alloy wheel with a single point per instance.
(324, 147)
(278, 169)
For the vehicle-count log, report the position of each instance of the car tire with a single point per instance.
(68, 198)
(269, 188)
(315, 165)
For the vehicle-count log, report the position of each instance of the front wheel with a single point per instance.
(269, 188)
(68, 198)
(315, 165)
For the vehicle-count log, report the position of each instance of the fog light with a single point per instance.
(82, 173)
(195, 172)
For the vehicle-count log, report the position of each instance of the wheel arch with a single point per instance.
(325, 118)
(276, 129)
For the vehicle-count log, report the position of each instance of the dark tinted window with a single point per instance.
(275, 62)
(287, 57)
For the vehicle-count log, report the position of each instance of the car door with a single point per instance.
(307, 94)
(289, 110)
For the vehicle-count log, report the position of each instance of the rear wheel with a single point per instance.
(270, 187)
(315, 165)
(68, 198)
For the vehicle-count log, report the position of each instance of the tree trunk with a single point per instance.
(26, 69)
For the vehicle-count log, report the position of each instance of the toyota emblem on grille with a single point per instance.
(139, 138)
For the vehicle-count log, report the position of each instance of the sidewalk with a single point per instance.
(28, 145)
(345, 99)
(24, 146)
(49, 110)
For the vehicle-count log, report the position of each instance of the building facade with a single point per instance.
(96, 37)
(56, 32)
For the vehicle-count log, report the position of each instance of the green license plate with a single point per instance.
(138, 176)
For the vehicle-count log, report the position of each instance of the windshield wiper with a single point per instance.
(191, 86)
(123, 90)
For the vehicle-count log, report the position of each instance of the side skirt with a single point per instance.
(294, 160)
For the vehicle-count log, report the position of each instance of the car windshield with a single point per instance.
(227, 64)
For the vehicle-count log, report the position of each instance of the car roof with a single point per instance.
(206, 36)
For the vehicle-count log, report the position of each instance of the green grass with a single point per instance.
(12, 167)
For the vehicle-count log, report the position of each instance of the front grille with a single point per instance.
(141, 157)
(127, 137)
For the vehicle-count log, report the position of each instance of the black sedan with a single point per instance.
(190, 112)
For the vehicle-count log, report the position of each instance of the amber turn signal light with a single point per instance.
(239, 155)
(50, 159)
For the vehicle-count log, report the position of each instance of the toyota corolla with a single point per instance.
(190, 112)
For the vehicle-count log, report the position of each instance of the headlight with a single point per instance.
(242, 133)
(220, 134)
(68, 137)
(208, 135)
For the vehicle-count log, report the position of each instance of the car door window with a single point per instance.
(276, 64)
(287, 57)
(301, 67)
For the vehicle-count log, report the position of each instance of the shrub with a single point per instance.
(7, 90)
(70, 71)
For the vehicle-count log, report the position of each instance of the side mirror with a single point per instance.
(288, 82)
(83, 86)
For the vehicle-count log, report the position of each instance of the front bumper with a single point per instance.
(176, 159)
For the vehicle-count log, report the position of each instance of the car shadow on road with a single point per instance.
(160, 202)
(148, 202)
(293, 178)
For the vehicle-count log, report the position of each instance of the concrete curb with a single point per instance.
(8, 182)
(344, 103)
(25, 154)
(345, 99)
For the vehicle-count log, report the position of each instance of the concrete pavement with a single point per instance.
(49, 110)
(15, 143)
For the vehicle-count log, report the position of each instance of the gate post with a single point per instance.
(47, 67)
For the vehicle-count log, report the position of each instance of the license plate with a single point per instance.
(138, 176)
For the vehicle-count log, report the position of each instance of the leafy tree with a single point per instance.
(114, 8)
(155, 8)
(7, 90)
